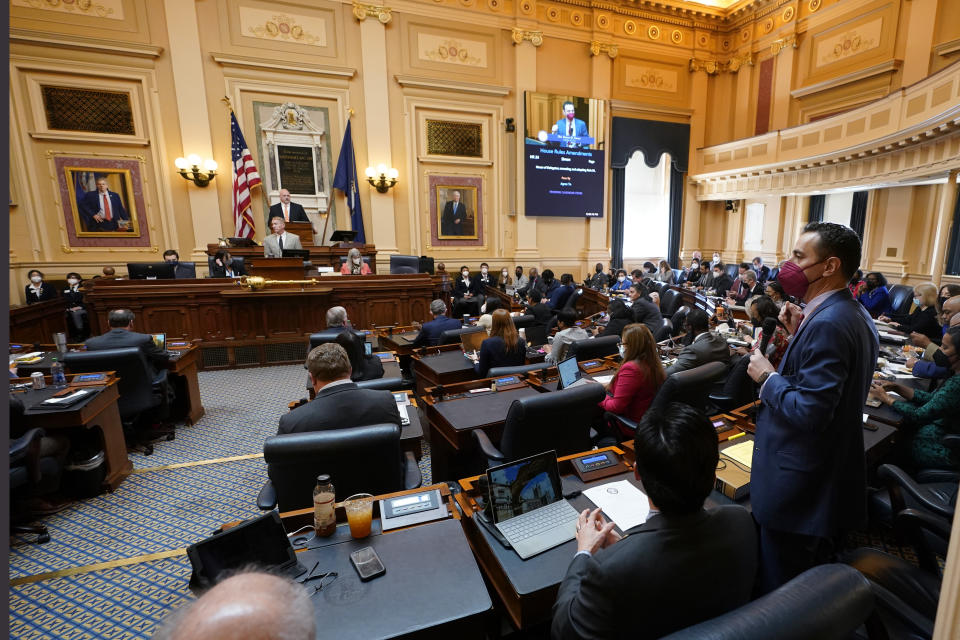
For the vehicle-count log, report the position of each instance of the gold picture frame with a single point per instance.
(89, 218)
(448, 228)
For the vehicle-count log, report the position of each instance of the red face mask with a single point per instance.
(793, 279)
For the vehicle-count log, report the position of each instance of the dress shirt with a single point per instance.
(336, 383)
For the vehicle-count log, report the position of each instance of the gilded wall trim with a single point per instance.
(230, 60)
(597, 48)
(860, 74)
(519, 35)
(362, 11)
(417, 82)
(84, 43)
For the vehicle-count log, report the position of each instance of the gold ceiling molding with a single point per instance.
(782, 43)
(519, 35)
(711, 67)
(362, 11)
(597, 48)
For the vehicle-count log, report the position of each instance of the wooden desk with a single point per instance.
(592, 302)
(320, 256)
(30, 323)
(397, 339)
(99, 412)
(442, 365)
(277, 268)
(183, 373)
(510, 303)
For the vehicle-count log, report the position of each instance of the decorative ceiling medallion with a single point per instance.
(576, 18)
(603, 21)
(725, 44)
(788, 14)
(494, 5)
(526, 6)
(630, 27)
(767, 26)
(653, 32)
(466, 3)
(814, 5)
(702, 39)
(676, 37)
(745, 35)
(553, 14)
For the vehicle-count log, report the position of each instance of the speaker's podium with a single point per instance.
(303, 230)
(292, 266)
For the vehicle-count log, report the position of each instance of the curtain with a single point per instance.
(676, 214)
(817, 204)
(858, 212)
(953, 251)
(617, 188)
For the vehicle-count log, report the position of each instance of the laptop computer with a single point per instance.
(526, 500)
(260, 541)
(159, 340)
(570, 374)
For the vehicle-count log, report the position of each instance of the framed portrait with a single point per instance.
(102, 202)
(456, 210)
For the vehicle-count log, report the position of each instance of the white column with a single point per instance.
(377, 122)
(525, 59)
(938, 254)
(189, 87)
(597, 247)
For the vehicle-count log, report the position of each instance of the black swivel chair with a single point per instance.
(141, 391)
(359, 459)
(386, 384)
(30, 476)
(330, 335)
(733, 270)
(452, 336)
(901, 298)
(678, 319)
(185, 270)
(560, 420)
(665, 330)
(524, 321)
(670, 301)
(571, 302)
(236, 264)
(498, 372)
(590, 348)
(404, 264)
(828, 602)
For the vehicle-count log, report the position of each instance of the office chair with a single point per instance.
(536, 335)
(386, 384)
(140, 389)
(560, 420)
(678, 319)
(498, 372)
(236, 263)
(30, 476)
(828, 602)
(901, 299)
(359, 459)
(733, 270)
(773, 274)
(404, 264)
(590, 348)
(330, 335)
(670, 301)
(689, 387)
(524, 321)
(665, 330)
(452, 336)
(571, 302)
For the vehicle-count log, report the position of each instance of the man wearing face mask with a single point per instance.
(534, 281)
(643, 309)
(520, 281)
(466, 292)
(808, 478)
(38, 290)
(486, 278)
(599, 279)
(721, 282)
(934, 363)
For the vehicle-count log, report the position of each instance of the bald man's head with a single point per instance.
(256, 606)
(955, 320)
(950, 308)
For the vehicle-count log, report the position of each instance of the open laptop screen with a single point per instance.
(524, 485)
(569, 372)
(160, 340)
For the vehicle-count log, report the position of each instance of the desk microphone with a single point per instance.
(769, 328)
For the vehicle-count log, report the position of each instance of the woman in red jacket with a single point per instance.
(637, 380)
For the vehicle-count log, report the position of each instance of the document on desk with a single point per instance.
(604, 380)
(741, 452)
(621, 502)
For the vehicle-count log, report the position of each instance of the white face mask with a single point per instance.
(73, 281)
(503, 273)
(357, 261)
(621, 278)
(483, 271)
(465, 274)
(621, 349)
(916, 301)
(36, 279)
(716, 274)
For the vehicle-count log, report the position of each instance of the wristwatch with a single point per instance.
(763, 378)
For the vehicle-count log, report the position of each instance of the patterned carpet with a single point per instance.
(154, 511)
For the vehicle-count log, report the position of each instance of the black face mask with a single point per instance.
(519, 273)
(599, 269)
(756, 322)
(940, 359)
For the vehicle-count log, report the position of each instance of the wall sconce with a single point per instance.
(189, 169)
(382, 178)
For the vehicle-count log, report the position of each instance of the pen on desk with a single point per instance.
(736, 436)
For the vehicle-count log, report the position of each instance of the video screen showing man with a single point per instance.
(570, 126)
(103, 210)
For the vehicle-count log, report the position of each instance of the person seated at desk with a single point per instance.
(774, 291)
(122, 335)
(559, 295)
(223, 266)
(721, 282)
(486, 279)
(275, 243)
(38, 290)
(637, 380)
(931, 414)
(504, 279)
(245, 605)
(537, 308)
(664, 273)
(466, 294)
(534, 281)
(355, 265)
(749, 287)
(661, 576)
(504, 347)
(338, 403)
(548, 283)
(430, 332)
(620, 316)
(924, 317)
(180, 271)
(948, 307)
(599, 280)
(690, 277)
(520, 281)
(705, 346)
(706, 277)
(77, 321)
(622, 284)
(568, 332)
(934, 363)
(762, 270)
(486, 320)
(337, 319)
(643, 308)
(363, 367)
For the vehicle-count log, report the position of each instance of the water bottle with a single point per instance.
(324, 517)
(57, 376)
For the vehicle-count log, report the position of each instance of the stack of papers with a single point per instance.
(604, 380)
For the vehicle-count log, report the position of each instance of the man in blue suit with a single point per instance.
(102, 210)
(569, 125)
(808, 480)
(431, 331)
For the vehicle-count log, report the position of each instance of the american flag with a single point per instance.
(245, 177)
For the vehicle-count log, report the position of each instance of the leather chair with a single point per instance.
(571, 302)
(590, 348)
(329, 335)
(386, 384)
(236, 262)
(524, 321)
(498, 372)
(933, 489)
(733, 270)
(828, 602)
(689, 387)
(452, 336)
(679, 318)
(773, 273)
(677, 273)
(31, 476)
(901, 299)
(140, 390)
(665, 330)
(404, 264)
(359, 459)
(670, 301)
(560, 420)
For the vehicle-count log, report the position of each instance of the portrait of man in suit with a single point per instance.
(102, 202)
(457, 206)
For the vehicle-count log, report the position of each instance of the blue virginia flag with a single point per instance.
(345, 179)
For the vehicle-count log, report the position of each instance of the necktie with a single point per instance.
(106, 207)
(280, 242)
(570, 129)
(286, 212)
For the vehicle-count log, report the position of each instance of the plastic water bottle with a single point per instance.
(324, 517)
(57, 376)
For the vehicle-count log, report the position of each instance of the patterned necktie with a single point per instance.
(280, 242)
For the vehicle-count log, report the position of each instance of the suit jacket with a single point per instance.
(808, 473)
(90, 206)
(559, 296)
(489, 280)
(460, 288)
(182, 270)
(763, 273)
(541, 313)
(47, 292)
(447, 225)
(297, 214)
(648, 313)
(579, 127)
(661, 578)
(271, 246)
(710, 347)
(431, 331)
(721, 285)
(119, 338)
(341, 407)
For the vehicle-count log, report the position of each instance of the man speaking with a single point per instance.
(569, 125)
(289, 211)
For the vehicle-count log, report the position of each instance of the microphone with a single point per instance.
(769, 328)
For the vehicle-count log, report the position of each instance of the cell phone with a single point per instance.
(367, 563)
